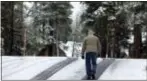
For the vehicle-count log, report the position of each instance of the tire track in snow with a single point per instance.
(9, 62)
(29, 64)
(15, 64)
(52, 70)
(10, 59)
(101, 67)
(7, 65)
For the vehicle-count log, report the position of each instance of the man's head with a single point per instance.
(90, 32)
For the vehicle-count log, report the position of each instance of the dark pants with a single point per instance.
(91, 63)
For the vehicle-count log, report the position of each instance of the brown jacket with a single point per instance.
(91, 44)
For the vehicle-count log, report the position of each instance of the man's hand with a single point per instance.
(98, 55)
(82, 56)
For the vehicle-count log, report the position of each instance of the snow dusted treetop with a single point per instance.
(111, 18)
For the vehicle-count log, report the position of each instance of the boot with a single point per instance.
(88, 77)
(93, 77)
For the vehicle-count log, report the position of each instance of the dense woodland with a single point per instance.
(115, 23)
(49, 23)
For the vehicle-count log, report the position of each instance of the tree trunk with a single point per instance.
(107, 38)
(56, 36)
(137, 41)
(12, 27)
(146, 41)
(73, 45)
(24, 31)
(57, 39)
(116, 43)
(43, 28)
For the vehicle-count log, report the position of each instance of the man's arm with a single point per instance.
(99, 46)
(84, 46)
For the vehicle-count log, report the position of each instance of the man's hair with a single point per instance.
(90, 29)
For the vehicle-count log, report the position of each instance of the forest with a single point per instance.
(39, 28)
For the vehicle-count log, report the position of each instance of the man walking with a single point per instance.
(91, 48)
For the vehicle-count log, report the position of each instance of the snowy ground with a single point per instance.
(0, 69)
(74, 71)
(25, 68)
(126, 69)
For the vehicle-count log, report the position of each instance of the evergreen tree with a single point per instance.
(48, 16)
(137, 9)
(7, 14)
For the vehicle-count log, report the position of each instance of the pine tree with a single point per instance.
(48, 17)
(7, 16)
(137, 9)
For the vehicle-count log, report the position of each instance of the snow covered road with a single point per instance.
(74, 71)
(59, 68)
(52, 70)
(29, 68)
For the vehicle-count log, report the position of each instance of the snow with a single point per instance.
(126, 69)
(69, 51)
(125, 50)
(131, 40)
(74, 71)
(0, 68)
(70, 48)
(111, 18)
(28, 68)
(8, 58)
